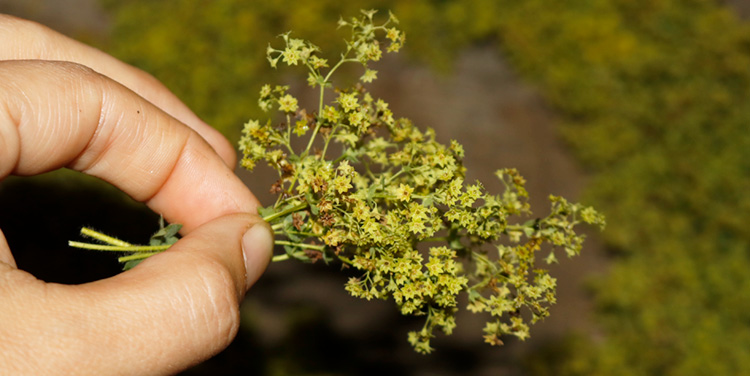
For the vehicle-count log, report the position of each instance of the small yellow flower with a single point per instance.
(342, 184)
(288, 103)
(301, 127)
(318, 63)
(331, 114)
(403, 192)
(393, 34)
(265, 91)
(356, 118)
(348, 102)
(369, 76)
(345, 169)
(247, 164)
(291, 56)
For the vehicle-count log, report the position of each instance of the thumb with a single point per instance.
(172, 311)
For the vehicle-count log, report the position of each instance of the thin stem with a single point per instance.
(137, 256)
(301, 245)
(289, 132)
(300, 233)
(517, 227)
(117, 248)
(346, 260)
(328, 141)
(483, 283)
(320, 102)
(103, 238)
(274, 216)
(278, 258)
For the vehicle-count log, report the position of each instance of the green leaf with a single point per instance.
(131, 264)
(474, 295)
(265, 212)
(166, 235)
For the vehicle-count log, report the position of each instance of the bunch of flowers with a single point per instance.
(393, 202)
(379, 195)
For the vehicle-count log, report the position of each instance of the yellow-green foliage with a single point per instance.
(212, 53)
(655, 96)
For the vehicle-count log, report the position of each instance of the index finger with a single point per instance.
(27, 40)
(56, 114)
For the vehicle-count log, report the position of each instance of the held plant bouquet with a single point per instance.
(392, 202)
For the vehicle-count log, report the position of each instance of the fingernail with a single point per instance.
(257, 246)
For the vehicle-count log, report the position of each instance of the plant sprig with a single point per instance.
(393, 204)
(160, 241)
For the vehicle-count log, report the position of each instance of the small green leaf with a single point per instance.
(265, 212)
(131, 264)
(166, 235)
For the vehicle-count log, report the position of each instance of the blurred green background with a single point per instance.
(639, 107)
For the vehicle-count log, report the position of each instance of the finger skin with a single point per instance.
(172, 311)
(56, 114)
(27, 40)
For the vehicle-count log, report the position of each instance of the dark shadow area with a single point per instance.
(40, 215)
(298, 320)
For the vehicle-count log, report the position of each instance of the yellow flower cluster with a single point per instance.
(393, 204)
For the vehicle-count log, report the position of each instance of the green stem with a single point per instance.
(301, 245)
(346, 260)
(300, 233)
(517, 227)
(278, 258)
(118, 248)
(320, 102)
(274, 216)
(138, 256)
(85, 231)
(328, 141)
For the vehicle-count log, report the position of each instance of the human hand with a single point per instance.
(69, 105)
